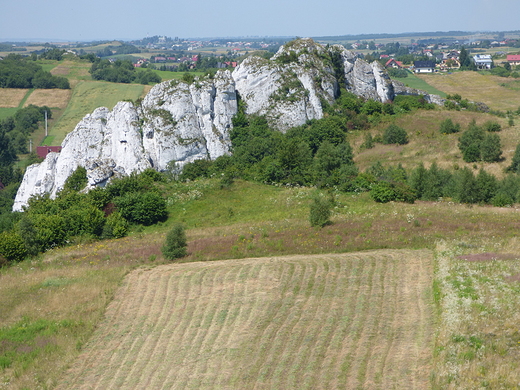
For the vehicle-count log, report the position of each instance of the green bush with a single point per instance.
(115, 226)
(448, 127)
(320, 212)
(176, 245)
(12, 246)
(394, 134)
(492, 126)
(142, 208)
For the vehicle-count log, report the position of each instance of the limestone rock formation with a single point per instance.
(179, 122)
(184, 122)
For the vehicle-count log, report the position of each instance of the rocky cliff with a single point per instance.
(179, 122)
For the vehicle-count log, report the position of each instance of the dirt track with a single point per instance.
(360, 320)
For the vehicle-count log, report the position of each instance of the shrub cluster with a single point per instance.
(481, 143)
(121, 71)
(101, 213)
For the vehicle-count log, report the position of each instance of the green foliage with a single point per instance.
(515, 162)
(145, 208)
(12, 246)
(176, 245)
(77, 180)
(398, 73)
(490, 148)
(115, 226)
(448, 127)
(83, 219)
(196, 169)
(394, 134)
(492, 126)
(320, 211)
(477, 145)
(120, 71)
(384, 192)
(19, 72)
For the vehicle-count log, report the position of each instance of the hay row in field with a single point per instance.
(300, 322)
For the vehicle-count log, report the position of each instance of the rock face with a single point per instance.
(176, 121)
(179, 122)
(185, 122)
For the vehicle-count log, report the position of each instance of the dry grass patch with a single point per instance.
(301, 322)
(12, 97)
(476, 87)
(478, 341)
(54, 98)
(48, 313)
(426, 143)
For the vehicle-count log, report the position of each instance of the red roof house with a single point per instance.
(43, 151)
(392, 63)
(513, 59)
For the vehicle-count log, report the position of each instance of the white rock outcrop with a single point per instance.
(181, 122)
(185, 122)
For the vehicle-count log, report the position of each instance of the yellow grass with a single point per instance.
(303, 322)
(53, 98)
(427, 145)
(12, 97)
(477, 87)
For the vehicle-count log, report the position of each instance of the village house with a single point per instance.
(450, 63)
(43, 151)
(393, 63)
(483, 61)
(424, 67)
(513, 59)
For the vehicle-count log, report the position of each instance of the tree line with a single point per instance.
(19, 72)
(121, 71)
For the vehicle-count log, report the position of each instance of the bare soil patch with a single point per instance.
(358, 320)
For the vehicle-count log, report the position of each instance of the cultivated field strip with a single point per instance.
(343, 321)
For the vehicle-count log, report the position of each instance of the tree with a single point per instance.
(515, 163)
(448, 127)
(176, 245)
(394, 134)
(490, 149)
(320, 212)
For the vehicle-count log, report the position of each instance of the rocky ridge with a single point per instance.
(179, 122)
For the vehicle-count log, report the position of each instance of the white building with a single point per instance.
(483, 61)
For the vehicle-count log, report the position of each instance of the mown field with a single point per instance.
(305, 322)
(478, 87)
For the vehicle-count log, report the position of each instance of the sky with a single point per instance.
(67, 20)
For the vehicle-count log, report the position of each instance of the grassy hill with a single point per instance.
(345, 320)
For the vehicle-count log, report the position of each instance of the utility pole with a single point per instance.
(30, 145)
(46, 131)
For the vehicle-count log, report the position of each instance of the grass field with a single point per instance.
(86, 97)
(416, 82)
(477, 87)
(70, 288)
(307, 322)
